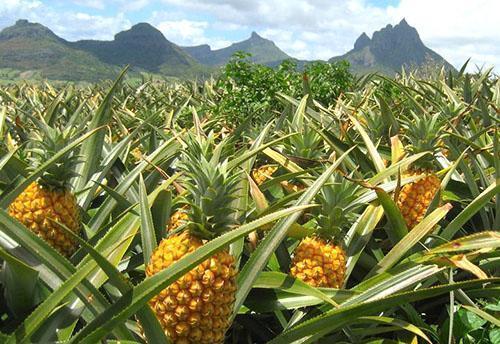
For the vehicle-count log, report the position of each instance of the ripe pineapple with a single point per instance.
(424, 134)
(177, 219)
(320, 260)
(197, 307)
(263, 173)
(319, 263)
(50, 197)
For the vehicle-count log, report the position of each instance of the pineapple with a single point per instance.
(177, 219)
(320, 260)
(414, 198)
(263, 173)
(49, 198)
(197, 307)
(304, 149)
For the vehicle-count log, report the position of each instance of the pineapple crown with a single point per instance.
(307, 143)
(337, 207)
(45, 143)
(211, 187)
(425, 134)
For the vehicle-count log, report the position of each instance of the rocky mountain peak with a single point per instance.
(255, 36)
(362, 41)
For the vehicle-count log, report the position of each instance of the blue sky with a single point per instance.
(314, 29)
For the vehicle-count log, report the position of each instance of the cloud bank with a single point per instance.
(306, 29)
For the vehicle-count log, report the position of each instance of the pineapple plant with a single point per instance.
(35, 306)
(49, 200)
(304, 149)
(197, 307)
(320, 260)
(424, 135)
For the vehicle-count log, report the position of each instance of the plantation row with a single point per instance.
(267, 205)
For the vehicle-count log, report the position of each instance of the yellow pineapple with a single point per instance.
(319, 263)
(320, 260)
(292, 187)
(414, 198)
(177, 219)
(136, 155)
(49, 201)
(198, 306)
(263, 173)
(424, 135)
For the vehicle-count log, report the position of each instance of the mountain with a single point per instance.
(33, 48)
(263, 51)
(390, 49)
(28, 49)
(144, 47)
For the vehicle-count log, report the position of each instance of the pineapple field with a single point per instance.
(259, 206)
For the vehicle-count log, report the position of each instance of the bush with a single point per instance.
(250, 89)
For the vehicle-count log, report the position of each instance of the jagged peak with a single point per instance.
(402, 31)
(362, 41)
(403, 22)
(255, 35)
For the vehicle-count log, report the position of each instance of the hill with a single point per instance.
(34, 49)
(263, 51)
(390, 49)
(143, 47)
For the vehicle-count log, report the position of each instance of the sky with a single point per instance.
(314, 29)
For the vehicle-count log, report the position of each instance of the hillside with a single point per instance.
(31, 49)
(390, 49)
(263, 51)
(143, 47)
(34, 49)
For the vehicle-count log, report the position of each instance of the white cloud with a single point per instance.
(456, 29)
(98, 4)
(309, 29)
(75, 26)
(67, 24)
(11, 10)
(184, 32)
(131, 6)
(189, 32)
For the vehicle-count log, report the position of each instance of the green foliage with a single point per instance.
(329, 80)
(248, 89)
(335, 167)
(470, 328)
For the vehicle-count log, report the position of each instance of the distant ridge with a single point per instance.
(263, 51)
(391, 49)
(141, 46)
(32, 49)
